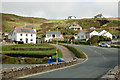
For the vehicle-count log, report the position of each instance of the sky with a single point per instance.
(60, 9)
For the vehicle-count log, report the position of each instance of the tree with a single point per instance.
(93, 39)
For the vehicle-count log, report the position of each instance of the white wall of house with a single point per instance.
(102, 32)
(109, 35)
(76, 28)
(52, 36)
(31, 37)
(13, 36)
(17, 37)
(93, 33)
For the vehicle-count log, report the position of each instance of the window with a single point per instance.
(31, 35)
(20, 39)
(31, 39)
(78, 37)
(82, 36)
(26, 34)
(20, 34)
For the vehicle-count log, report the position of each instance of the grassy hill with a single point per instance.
(42, 25)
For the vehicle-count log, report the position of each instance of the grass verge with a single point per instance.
(78, 53)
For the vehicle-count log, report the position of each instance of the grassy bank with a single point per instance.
(78, 53)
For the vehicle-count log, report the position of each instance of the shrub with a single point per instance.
(78, 53)
(45, 59)
(93, 40)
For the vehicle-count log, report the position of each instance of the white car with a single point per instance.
(104, 45)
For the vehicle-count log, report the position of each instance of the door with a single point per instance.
(26, 40)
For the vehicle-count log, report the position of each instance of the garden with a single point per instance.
(28, 53)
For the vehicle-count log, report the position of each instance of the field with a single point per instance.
(33, 54)
(42, 25)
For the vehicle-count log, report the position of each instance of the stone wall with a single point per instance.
(113, 74)
(18, 72)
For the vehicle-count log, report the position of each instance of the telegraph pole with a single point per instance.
(57, 47)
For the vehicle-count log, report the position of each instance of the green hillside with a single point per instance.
(42, 24)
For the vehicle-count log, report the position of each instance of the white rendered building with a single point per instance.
(27, 35)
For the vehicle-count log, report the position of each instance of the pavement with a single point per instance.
(100, 61)
(67, 54)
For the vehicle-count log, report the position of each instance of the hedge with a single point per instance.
(78, 53)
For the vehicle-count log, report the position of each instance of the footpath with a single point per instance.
(67, 54)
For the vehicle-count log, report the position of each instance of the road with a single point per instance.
(100, 60)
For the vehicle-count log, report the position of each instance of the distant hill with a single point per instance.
(42, 24)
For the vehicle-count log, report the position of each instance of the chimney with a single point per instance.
(14, 26)
(32, 27)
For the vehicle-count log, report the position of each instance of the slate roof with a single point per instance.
(53, 32)
(87, 32)
(99, 31)
(22, 30)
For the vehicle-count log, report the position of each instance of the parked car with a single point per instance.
(104, 45)
(53, 60)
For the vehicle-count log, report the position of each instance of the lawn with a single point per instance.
(14, 54)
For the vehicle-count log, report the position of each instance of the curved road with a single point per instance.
(100, 60)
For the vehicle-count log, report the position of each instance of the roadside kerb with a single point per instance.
(17, 72)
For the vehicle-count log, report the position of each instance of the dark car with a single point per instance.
(53, 60)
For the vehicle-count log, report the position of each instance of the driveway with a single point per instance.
(100, 60)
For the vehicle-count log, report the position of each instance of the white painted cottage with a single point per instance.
(89, 34)
(27, 35)
(75, 26)
(105, 33)
(50, 35)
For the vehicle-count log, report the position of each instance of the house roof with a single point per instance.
(74, 25)
(87, 32)
(23, 30)
(99, 31)
(53, 32)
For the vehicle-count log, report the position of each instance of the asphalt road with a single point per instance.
(100, 60)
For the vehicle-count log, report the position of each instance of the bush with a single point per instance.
(78, 53)
(93, 40)
(81, 42)
(45, 59)
(96, 39)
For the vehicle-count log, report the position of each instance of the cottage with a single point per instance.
(75, 26)
(27, 35)
(89, 34)
(105, 33)
(71, 17)
(92, 28)
(51, 35)
(98, 16)
(81, 36)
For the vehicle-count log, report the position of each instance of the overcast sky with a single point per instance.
(55, 9)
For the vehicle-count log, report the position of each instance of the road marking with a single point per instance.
(55, 69)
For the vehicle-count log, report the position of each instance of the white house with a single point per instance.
(81, 36)
(75, 26)
(71, 17)
(50, 35)
(92, 28)
(89, 34)
(105, 33)
(27, 35)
